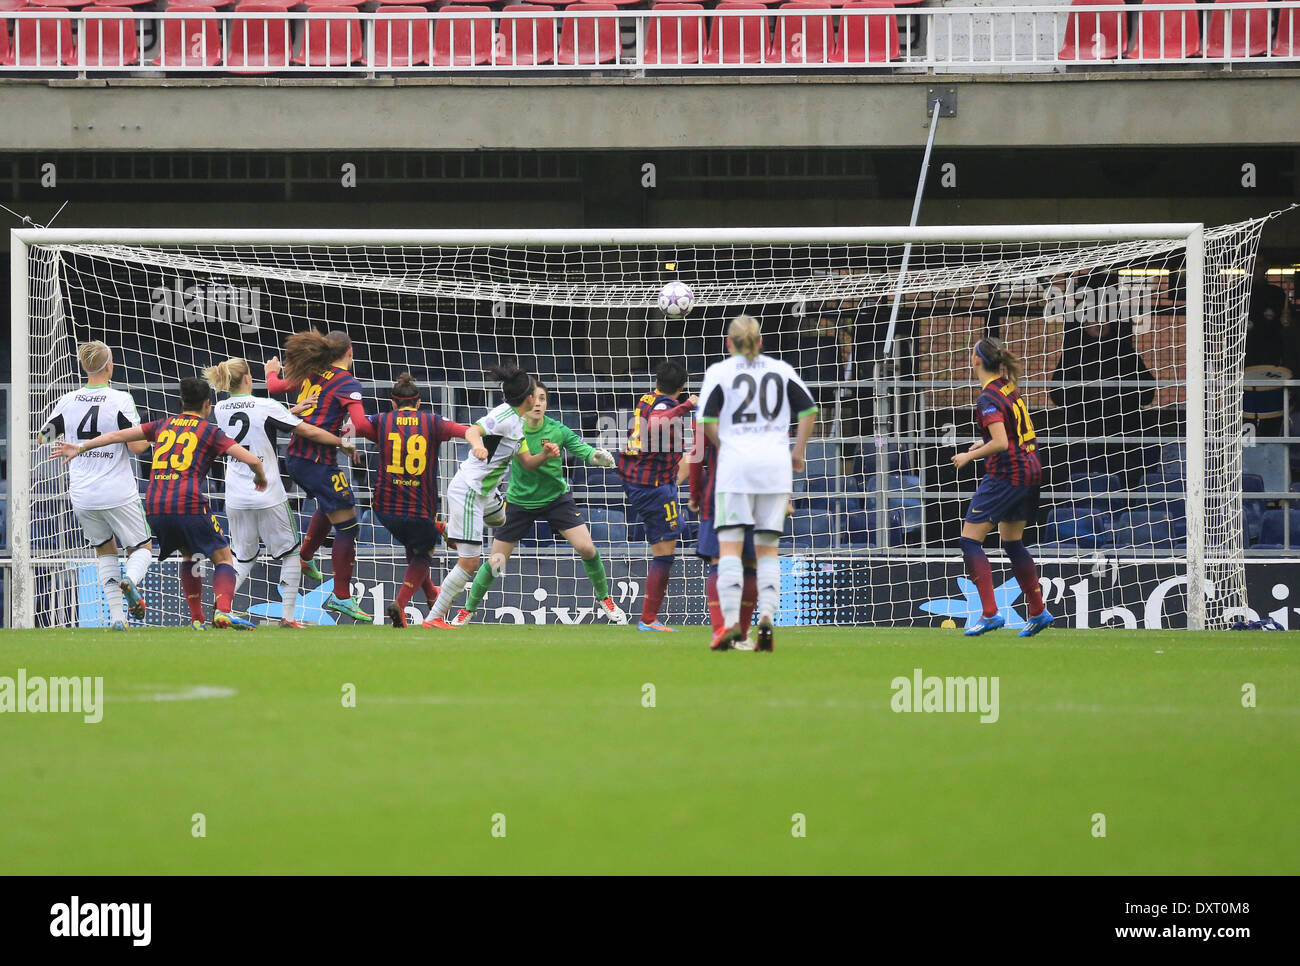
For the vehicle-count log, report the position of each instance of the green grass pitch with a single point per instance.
(547, 727)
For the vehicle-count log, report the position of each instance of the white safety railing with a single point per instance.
(837, 37)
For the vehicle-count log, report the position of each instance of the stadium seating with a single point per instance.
(462, 42)
(1093, 483)
(1156, 483)
(812, 530)
(738, 40)
(258, 46)
(526, 41)
(865, 39)
(1078, 526)
(589, 40)
(809, 39)
(330, 43)
(43, 43)
(675, 40)
(190, 43)
(1095, 36)
(1288, 34)
(1148, 530)
(110, 42)
(403, 36)
(1236, 33)
(1166, 35)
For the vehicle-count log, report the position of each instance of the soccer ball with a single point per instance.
(676, 299)
(494, 509)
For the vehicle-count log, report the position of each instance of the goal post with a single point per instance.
(1156, 499)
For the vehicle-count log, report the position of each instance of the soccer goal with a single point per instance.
(1131, 339)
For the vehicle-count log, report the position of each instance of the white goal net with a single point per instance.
(1131, 336)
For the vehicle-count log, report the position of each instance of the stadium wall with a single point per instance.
(1249, 107)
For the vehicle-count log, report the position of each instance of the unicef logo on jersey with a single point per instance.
(195, 305)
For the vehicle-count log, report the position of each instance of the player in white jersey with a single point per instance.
(262, 518)
(747, 403)
(477, 493)
(104, 491)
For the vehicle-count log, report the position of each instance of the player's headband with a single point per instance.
(980, 352)
(409, 393)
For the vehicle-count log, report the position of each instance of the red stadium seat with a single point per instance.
(525, 40)
(330, 43)
(808, 39)
(589, 40)
(43, 43)
(866, 39)
(5, 53)
(738, 40)
(1095, 36)
(190, 42)
(403, 36)
(1288, 34)
(462, 42)
(1167, 35)
(13, 4)
(112, 41)
(258, 46)
(1236, 33)
(675, 40)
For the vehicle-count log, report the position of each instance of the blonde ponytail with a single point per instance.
(745, 336)
(227, 376)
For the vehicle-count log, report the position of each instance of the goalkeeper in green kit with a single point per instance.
(539, 491)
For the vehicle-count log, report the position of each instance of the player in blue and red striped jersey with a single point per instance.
(703, 473)
(406, 490)
(648, 466)
(1008, 493)
(176, 503)
(316, 367)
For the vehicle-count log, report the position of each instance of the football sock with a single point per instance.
(656, 586)
(977, 568)
(290, 580)
(223, 585)
(452, 585)
(1022, 565)
(430, 590)
(110, 575)
(748, 598)
(711, 596)
(595, 568)
(342, 556)
(731, 575)
(192, 584)
(768, 579)
(317, 530)
(137, 565)
(242, 570)
(417, 572)
(483, 581)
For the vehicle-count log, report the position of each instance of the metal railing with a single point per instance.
(645, 42)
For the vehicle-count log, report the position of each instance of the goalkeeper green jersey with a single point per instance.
(537, 488)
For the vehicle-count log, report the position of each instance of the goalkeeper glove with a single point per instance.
(602, 457)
